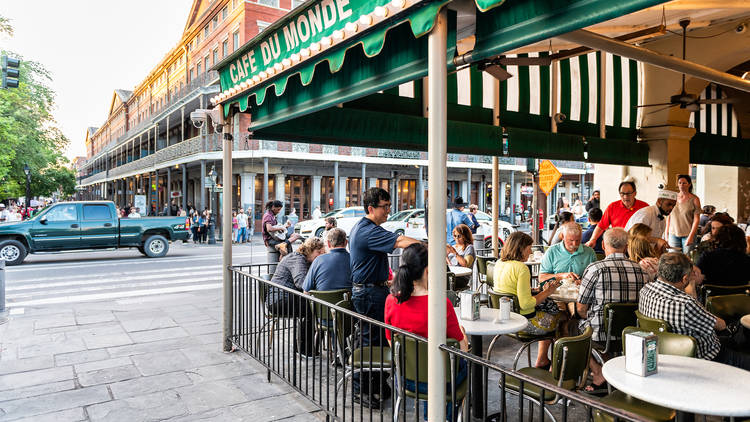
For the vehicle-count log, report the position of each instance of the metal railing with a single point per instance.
(342, 345)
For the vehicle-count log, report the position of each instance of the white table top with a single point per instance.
(570, 296)
(745, 321)
(460, 271)
(686, 384)
(484, 326)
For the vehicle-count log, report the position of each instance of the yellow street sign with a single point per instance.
(548, 176)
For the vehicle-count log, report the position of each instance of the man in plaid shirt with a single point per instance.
(615, 279)
(666, 299)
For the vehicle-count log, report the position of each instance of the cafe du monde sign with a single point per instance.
(302, 35)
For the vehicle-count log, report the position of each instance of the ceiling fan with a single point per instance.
(690, 102)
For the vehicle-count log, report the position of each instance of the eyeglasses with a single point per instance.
(384, 206)
(456, 235)
(627, 193)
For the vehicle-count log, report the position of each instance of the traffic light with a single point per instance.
(10, 67)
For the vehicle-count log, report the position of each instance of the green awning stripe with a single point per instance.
(452, 88)
(719, 150)
(633, 93)
(719, 119)
(583, 66)
(485, 5)
(544, 88)
(524, 87)
(565, 87)
(475, 82)
(617, 89)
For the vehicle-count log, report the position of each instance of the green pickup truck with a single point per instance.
(68, 226)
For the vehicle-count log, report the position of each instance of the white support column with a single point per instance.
(342, 192)
(226, 228)
(420, 188)
(465, 191)
(438, 174)
(279, 194)
(315, 192)
(336, 198)
(247, 189)
(372, 182)
(501, 191)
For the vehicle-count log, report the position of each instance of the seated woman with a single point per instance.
(406, 306)
(291, 272)
(642, 251)
(727, 264)
(560, 219)
(512, 276)
(462, 254)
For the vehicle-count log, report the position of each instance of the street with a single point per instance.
(61, 278)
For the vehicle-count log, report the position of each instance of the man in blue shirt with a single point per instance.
(331, 271)
(568, 258)
(369, 247)
(455, 217)
(595, 216)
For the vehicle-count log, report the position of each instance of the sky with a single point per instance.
(91, 48)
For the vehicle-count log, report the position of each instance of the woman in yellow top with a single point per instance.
(513, 276)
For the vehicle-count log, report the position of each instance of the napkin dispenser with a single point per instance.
(641, 356)
(469, 305)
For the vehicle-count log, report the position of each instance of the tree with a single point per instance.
(28, 132)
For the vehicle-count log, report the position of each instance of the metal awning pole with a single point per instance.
(437, 129)
(495, 172)
(226, 260)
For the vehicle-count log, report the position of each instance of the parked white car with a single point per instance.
(346, 218)
(396, 223)
(415, 228)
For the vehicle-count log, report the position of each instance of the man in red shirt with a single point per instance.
(619, 212)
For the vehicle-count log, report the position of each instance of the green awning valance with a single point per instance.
(373, 129)
(719, 150)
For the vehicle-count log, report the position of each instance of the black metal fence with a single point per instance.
(331, 354)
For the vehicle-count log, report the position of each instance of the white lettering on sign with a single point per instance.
(343, 13)
(232, 70)
(290, 37)
(316, 24)
(303, 28)
(329, 13)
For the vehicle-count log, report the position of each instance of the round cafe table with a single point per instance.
(745, 321)
(460, 271)
(686, 385)
(485, 326)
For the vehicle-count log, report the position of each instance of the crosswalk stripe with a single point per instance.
(109, 287)
(105, 283)
(135, 275)
(115, 295)
(114, 262)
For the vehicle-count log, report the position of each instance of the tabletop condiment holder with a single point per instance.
(469, 305)
(641, 356)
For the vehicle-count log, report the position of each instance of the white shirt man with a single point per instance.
(242, 219)
(134, 213)
(316, 213)
(655, 216)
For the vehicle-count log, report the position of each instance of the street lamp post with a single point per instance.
(27, 171)
(212, 227)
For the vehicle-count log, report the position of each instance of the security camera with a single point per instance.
(560, 117)
(198, 117)
(741, 28)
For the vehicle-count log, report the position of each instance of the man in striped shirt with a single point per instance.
(666, 299)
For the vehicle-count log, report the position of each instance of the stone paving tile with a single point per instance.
(107, 340)
(54, 402)
(256, 387)
(102, 364)
(69, 415)
(207, 327)
(108, 375)
(145, 324)
(211, 395)
(146, 385)
(52, 321)
(268, 409)
(156, 346)
(38, 377)
(161, 362)
(209, 354)
(30, 364)
(209, 338)
(223, 414)
(148, 407)
(92, 317)
(51, 347)
(36, 390)
(149, 312)
(81, 357)
(159, 334)
(221, 371)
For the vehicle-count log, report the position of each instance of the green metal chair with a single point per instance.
(668, 344)
(360, 359)
(651, 324)
(617, 316)
(729, 307)
(570, 366)
(271, 318)
(709, 290)
(324, 323)
(411, 365)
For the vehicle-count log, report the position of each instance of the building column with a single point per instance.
(167, 134)
(501, 186)
(336, 198)
(279, 186)
(203, 186)
(168, 189)
(315, 192)
(468, 186)
(148, 195)
(184, 186)
(247, 190)
(395, 194)
(342, 192)
(513, 193)
(362, 180)
(372, 182)
(265, 181)
(483, 195)
(182, 123)
(420, 187)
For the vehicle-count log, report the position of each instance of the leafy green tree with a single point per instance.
(28, 133)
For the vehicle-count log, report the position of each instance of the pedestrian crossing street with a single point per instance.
(70, 281)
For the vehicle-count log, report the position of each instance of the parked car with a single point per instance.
(68, 226)
(396, 223)
(415, 228)
(346, 218)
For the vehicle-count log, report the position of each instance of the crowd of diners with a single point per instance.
(654, 255)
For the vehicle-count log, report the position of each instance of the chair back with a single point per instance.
(343, 323)
(495, 300)
(617, 316)
(716, 290)
(668, 343)
(411, 358)
(651, 324)
(263, 287)
(570, 358)
(322, 312)
(482, 265)
(491, 272)
(729, 307)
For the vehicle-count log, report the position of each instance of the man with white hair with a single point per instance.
(615, 279)
(655, 216)
(568, 258)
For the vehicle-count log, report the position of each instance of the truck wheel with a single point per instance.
(319, 232)
(155, 246)
(13, 252)
(141, 250)
(399, 232)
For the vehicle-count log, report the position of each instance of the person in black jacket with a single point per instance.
(728, 263)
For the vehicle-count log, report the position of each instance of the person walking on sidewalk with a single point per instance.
(235, 226)
(195, 226)
(241, 226)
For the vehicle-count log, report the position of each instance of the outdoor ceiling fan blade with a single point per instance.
(716, 101)
(653, 105)
(662, 109)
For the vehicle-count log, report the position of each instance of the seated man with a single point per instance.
(331, 271)
(594, 217)
(568, 258)
(615, 279)
(666, 299)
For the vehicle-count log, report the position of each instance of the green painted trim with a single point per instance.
(583, 65)
(565, 87)
(544, 84)
(719, 150)
(622, 152)
(634, 83)
(503, 94)
(485, 5)
(475, 81)
(524, 87)
(452, 88)
(617, 89)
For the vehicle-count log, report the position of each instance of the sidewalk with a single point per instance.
(139, 359)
